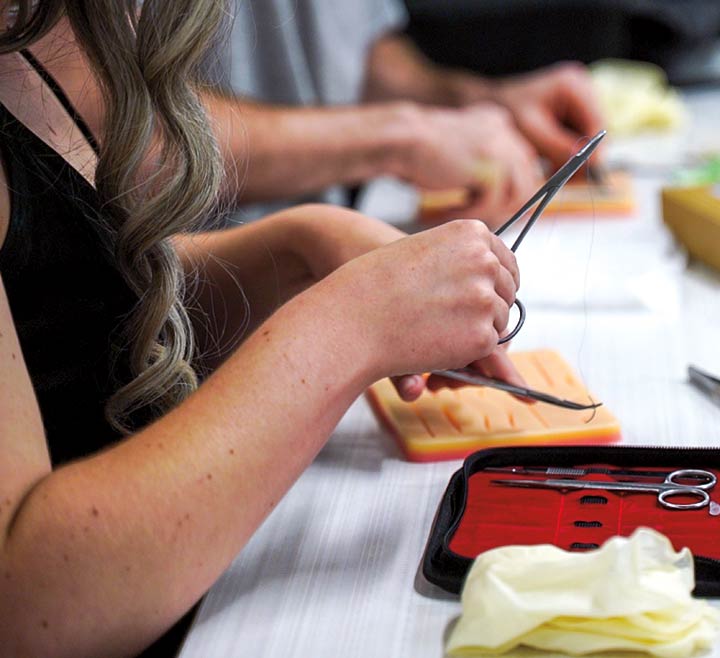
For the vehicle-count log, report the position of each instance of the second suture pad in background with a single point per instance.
(452, 423)
(614, 196)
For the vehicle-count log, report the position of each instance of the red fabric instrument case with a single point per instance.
(476, 515)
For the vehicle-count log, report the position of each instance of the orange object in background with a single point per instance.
(614, 196)
(452, 423)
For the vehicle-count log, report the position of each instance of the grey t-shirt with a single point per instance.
(306, 52)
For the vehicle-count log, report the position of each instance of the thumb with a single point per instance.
(409, 387)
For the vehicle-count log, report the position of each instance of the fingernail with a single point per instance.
(411, 383)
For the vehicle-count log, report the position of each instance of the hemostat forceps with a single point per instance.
(545, 195)
(542, 198)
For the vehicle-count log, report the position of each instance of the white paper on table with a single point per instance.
(613, 270)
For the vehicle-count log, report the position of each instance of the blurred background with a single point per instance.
(500, 37)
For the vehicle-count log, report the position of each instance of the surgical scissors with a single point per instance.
(666, 489)
(544, 195)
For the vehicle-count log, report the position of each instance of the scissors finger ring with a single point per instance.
(518, 326)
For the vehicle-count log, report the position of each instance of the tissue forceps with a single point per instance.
(544, 195)
(666, 489)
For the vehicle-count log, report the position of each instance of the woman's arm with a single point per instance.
(246, 273)
(100, 556)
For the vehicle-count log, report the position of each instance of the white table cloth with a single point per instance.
(333, 572)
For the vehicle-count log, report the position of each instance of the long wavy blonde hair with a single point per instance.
(146, 61)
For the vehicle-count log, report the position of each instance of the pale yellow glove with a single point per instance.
(631, 594)
(635, 96)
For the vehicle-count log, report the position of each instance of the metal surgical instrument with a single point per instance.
(544, 195)
(666, 489)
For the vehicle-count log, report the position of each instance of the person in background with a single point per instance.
(161, 388)
(332, 94)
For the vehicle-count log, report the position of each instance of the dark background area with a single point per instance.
(500, 37)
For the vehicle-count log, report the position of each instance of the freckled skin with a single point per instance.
(231, 451)
(209, 476)
(95, 511)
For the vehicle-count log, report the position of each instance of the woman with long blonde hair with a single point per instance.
(126, 486)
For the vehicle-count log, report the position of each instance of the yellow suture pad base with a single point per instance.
(614, 196)
(693, 215)
(452, 423)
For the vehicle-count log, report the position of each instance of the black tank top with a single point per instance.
(66, 297)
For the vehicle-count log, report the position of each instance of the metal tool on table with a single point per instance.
(572, 471)
(668, 488)
(542, 198)
(705, 382)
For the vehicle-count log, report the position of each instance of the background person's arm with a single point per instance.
(276, 152)
(273, 152)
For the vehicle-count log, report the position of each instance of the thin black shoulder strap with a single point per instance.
(64, 100)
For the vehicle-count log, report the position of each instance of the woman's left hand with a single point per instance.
(326, 237)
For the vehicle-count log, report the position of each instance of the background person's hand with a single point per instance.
(554, 108)
(475, 148)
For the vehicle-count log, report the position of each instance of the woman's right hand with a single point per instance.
(437, 299)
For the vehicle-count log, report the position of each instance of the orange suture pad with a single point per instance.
(452, 423)
(614, 196)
